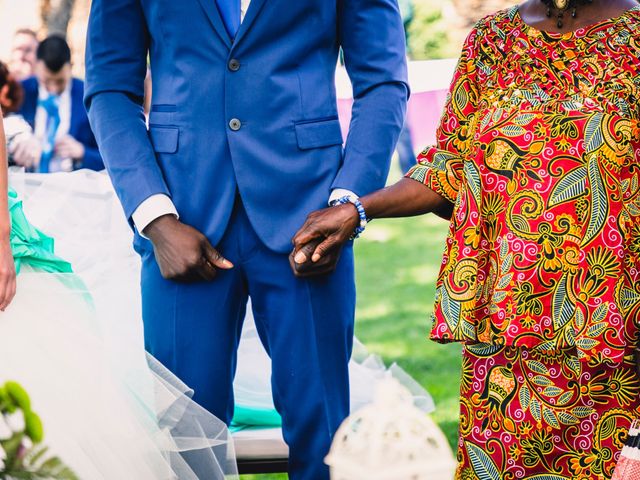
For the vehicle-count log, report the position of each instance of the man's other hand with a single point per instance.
(182, 252)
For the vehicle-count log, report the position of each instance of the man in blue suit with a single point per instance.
(53, 106)
(243, 142)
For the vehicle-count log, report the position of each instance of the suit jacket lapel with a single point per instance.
(211, 9)
(252, 12)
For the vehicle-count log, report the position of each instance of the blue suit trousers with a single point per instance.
(306, 325)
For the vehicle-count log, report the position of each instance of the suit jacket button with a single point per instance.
(235, 124)
(234, 65)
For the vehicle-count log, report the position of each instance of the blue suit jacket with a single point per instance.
(79, 127)
(276, 78)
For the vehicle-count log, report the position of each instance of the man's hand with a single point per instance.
(182, 252)
(69, 147)
(26, 150)
(318, 244)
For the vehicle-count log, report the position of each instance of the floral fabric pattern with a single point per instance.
(538, 150)
(526, 414)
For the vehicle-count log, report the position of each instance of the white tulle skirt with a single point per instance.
(75, 343)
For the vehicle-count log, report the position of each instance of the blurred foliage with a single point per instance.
(428, 31)
(438, 27)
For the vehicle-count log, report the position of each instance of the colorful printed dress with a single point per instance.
(539, 150)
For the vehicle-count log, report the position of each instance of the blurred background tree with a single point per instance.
(435, 28)
(469, 11)
(428, 32)
(438, 27)
(55, 15)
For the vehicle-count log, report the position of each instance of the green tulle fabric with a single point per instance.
(248, 417)
(29, 245)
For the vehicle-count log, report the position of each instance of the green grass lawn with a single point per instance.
(397, 262)
(397, 265)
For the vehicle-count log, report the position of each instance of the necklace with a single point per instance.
(562, 6)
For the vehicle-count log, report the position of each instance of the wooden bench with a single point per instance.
(261, 450)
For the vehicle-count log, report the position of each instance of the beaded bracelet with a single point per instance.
(361, 213)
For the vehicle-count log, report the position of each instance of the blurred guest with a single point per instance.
(16, 128)
(11, 92)
(23, 53)
(54, 109)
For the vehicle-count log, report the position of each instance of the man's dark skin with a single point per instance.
(182, 252)
(320, 240)
(185, 254)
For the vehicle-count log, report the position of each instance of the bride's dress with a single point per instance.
(74, 342)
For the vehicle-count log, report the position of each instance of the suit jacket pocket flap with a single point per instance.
(164, 139)
(323, 133)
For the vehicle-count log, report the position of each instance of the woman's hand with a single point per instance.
(318, 244)
(7, 274)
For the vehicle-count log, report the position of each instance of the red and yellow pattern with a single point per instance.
(535, 416)
(538, 149)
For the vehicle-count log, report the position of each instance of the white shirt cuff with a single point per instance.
(339, 193)
(153, 207)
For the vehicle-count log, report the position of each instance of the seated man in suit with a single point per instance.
(54, 108)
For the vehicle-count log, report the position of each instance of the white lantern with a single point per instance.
(390, 439)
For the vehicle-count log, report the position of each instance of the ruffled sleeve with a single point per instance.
(440, 166)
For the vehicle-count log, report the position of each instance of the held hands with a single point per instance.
(318, 244)
(182, 252)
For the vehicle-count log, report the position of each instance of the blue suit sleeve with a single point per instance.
(116, 60)
(372, 37)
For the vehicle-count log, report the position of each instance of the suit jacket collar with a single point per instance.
(252, 12)
(213, 14)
